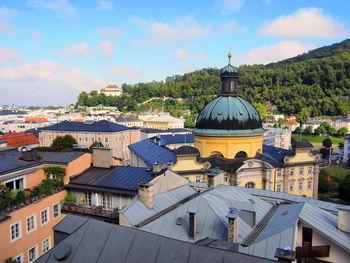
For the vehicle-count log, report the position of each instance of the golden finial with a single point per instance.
(229, 57)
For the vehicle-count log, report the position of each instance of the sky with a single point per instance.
(51, 50)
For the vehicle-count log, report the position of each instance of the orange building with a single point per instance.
(15, 139)
(26, 228)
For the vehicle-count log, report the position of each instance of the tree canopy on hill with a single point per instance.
(319, 80)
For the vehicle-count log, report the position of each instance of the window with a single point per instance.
(291, 187)
(31, 223)
(46, 245)
(309, 185)
(44, 216)
(19, 258)
(86, 139)
(300, 186)
(99, 139)
(107, 201)
(225, 177)
(92, 139)
(198, 178)
(18, 183)
(80, 139)
(56, 210)
(15, 231)
(33, 253)
(291, 172)
(279, 172)
(309, 171)
(249, 185)
(301, 171)
(106, 139)
(88, 198)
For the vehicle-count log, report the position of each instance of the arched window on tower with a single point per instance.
(241, 154)
(249, 185)
(232, 86)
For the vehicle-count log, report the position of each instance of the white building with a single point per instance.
(346, 155)
(278, 137)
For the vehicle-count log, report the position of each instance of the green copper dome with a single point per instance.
(228, 70)
(229, 116)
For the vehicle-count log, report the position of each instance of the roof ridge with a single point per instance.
(259, 227)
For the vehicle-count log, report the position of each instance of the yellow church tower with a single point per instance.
(229, 125)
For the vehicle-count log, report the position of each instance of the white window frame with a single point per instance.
(279, 172)
(47, 215)
(291, 187)
(198, 178)
(19, 258)
(309, 185)
(309, 170)
(17, 178)
(53, 210)
(88, 195)
(49, 244)
(35, 224)
(225, 177)
(291, 172)
(301, 171)
(36, 253)
(300, 186)
(19, 231)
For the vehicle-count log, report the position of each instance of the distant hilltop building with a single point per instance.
(111, 90)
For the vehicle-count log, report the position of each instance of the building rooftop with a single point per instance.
(152, 153)
(96, 241)
(119, 179)
(87, 126)
(10, 161)
(165, 118)
(12, 112)
(149, 130)
(176, 139)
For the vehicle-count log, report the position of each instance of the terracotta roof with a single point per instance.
(14, 139)
(289, 122)
(78, 120)
(36, 119)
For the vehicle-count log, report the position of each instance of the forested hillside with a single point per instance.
(319, 80)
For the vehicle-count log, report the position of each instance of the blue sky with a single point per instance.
(51, 50)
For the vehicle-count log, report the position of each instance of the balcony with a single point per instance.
(97, 212)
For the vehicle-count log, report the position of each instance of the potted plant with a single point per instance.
(70, 200)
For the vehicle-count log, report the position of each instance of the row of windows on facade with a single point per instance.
(291, 171)
(31, 222)
(33, 252)
(93, 139)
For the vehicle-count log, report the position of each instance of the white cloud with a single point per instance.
(10, 56)
(105, 5)
(6, 14)
(106, 48)
(124, 71)
(35, 34)
(229, 5)
(304, 23)
(180, 29)
(78, 50)
(7, 29)
(273, 53)
(184, 54)
(62, 8)
(231, 27)
(45, 83)
(109, 32)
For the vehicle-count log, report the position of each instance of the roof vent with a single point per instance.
(251, 200)
(179, 221)
(89, 122)
(29, 156)
(285, 212)
(62, 252)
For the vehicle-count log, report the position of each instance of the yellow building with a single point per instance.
(165, 122)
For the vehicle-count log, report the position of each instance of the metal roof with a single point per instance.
(176, 139)
(293, 198)
(151, 152)
(97, 241)
(119, 177)
(10, 160)
(12, 112)
(136, 211)
(149, 130)
(96, 126)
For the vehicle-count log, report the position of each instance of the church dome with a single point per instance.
(230, 116)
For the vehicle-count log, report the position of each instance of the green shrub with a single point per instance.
(20, 197)
(55, 172)
(3, 204)
(70, 199)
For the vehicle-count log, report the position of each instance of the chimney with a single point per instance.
(213, 178)
(102, 157)
(192, 222)
(156, 168)
(344, 219)
(232, 231)
(145, 194)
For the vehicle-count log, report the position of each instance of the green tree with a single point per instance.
(332, 131)
(308, 130)
(343, 131)
(344, 189)
(327, 142)
(64, 143)
(262, 110)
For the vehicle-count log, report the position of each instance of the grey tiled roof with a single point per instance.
(10, 160)
(97, 126)
(97, 241)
